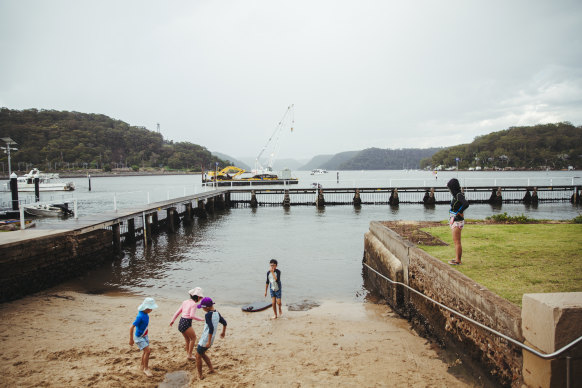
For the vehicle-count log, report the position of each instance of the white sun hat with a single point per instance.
(196, 291)
(148, 303)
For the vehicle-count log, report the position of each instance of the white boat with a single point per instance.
(318, 171)
(47, 182)
(45, 210)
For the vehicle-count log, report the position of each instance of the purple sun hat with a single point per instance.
(206, 302)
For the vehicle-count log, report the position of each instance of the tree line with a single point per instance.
(554, 146)
(50, 139)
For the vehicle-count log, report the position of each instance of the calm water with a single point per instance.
(319, 251)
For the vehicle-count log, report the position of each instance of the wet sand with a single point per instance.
(68, 339)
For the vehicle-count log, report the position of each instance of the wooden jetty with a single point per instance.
(399, 195)
(35, 259)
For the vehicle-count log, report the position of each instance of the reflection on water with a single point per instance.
(319, 251)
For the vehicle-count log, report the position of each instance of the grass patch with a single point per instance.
(517, 259)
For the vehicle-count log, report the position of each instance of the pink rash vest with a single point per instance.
(188, 310)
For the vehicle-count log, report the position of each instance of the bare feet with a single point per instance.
(148, 372)
(274, 317)
(200, 377)
(191, 358)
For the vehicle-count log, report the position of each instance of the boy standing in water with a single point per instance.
(212, 318)
(274, 280)
(140, 336)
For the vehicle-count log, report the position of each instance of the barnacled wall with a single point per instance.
(448, 286)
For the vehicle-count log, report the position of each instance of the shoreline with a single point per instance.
(100, 173)
(65, 338)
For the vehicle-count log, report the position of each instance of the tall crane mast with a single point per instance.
(287, 119)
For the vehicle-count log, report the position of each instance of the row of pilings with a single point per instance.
(529, 196)
(152, 222)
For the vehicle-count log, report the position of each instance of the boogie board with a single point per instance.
(257, 306)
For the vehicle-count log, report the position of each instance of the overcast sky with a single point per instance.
(388, 74)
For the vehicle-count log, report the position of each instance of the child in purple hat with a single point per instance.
(211, 320)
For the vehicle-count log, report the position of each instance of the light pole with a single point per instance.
(7, 149)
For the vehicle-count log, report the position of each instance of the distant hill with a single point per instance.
(372, 159)
(50, 140)
(234, 162)
(387, 159)
(555, 146)
(280, 164)
(318, 161)
(338, 160)
(291, 164)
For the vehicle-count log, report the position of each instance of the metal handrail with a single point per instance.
(513, 341)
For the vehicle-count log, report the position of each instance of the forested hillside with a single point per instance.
(336, 161)
(554, 146)
(387, 159)
(50, 139)
(317, 161)
(372, 159)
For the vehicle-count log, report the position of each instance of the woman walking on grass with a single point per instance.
(456, 217)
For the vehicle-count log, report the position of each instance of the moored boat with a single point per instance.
(46, 210)
(47, 182)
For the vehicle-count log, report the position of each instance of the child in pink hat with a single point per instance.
(188, 310)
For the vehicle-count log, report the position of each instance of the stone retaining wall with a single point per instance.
(399, 260)
(32, 265)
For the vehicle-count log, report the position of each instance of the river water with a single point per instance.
(319, 251)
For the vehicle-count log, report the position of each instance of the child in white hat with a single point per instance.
(188, 310)
(140, 336)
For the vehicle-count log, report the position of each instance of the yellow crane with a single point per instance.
(226, 174)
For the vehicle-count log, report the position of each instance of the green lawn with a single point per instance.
(512, 260)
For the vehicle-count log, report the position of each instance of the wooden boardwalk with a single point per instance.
(405, 195)
(106, 219)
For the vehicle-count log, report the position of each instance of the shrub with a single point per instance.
(577, 219)
(135, 167)
(504, 217)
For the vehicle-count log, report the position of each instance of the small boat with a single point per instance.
(47, 210)
(318, 171)
(47, 182)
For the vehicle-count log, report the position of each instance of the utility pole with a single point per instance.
(7, 149)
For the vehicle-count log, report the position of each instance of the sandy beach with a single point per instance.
(69, 339)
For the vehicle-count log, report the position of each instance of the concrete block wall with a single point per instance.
(448, 286)
(551, 321)
(387, 264)
(36, 264)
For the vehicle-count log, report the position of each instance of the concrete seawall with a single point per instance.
(396, 258)
(39, 263)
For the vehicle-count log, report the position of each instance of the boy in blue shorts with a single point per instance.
(274, 280)
(140, 336)
(211, 320)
